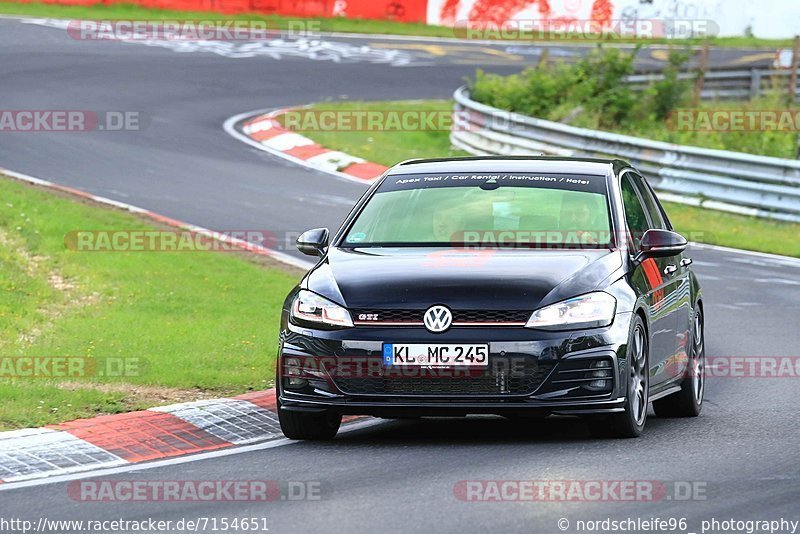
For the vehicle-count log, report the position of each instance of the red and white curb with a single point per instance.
(121, 439)
(114, 441)
(264, 131)
(162, 433)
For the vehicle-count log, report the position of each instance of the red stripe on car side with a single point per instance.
(654, 278)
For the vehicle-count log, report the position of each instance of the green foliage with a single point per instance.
(594, 83)
(591, 93)
(666, 95)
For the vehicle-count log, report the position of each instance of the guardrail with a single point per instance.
(718, 179)
(750, 83)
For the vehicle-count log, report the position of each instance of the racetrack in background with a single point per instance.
(185, 166)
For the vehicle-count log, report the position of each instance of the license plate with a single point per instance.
(424, 355)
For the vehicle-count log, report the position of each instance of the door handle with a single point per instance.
(670, 269)
(685, 262)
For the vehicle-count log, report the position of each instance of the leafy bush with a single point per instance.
(665, 96)
(592, 93)
(595, 83)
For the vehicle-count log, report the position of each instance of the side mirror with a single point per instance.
(661, 244)
(313, 242)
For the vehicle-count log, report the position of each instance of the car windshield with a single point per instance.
(498, 209)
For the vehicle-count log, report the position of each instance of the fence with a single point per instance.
(730, 84)
(730, 181)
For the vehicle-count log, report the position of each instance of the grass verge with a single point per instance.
(187, 325)
(737, 231)
(390, 147)
(338, 24)
(379, 146)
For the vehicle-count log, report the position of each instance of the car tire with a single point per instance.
(317, 426)
(630, 422)
(688, 402)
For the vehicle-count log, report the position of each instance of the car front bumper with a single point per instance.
(530, 372)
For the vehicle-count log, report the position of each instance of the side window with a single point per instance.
(650, 202)
(634, 212)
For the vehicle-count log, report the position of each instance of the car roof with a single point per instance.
(537, 164)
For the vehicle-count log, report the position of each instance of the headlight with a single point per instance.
(592, 310)
(312, 308)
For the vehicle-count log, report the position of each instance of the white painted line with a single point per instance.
(784, 260)
(783, 281)
(495, 43)
(350, 427)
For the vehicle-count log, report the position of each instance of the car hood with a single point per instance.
(415, 278)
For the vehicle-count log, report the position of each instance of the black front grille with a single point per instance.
(499, 378)
(490, 316)
(388, 316)
(364, 316)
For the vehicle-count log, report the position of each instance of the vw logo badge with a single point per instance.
(438, 319)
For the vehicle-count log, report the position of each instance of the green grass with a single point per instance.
(702, 225)
(774, 143)
(199, 324)
(386, 147)
(737, 231)
(338, 24)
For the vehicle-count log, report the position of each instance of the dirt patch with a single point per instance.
(137, 395)
(36, 266)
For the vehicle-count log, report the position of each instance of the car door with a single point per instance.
(649, 276)
(676, 269)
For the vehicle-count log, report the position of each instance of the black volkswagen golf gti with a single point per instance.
(520, 286)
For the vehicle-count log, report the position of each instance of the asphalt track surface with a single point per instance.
(396, 476)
